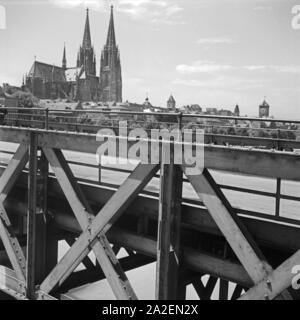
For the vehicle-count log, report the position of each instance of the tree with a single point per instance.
(25, 99)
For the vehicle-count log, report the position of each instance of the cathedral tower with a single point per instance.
(64, 60)
(86, 59)
(110, 70)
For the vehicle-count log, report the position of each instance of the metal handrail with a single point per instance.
(180, 114)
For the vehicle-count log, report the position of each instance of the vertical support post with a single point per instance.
(278, 139)
(211, 134)
(168, 244)
(31, 218)
(41, 217)
(278, 193)
(41, 246)
(47, 119)
(99, 170)
(180, 120)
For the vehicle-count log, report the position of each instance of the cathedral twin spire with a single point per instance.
(86, 59)
(110, 80)
(110, 69)
(87, 42)
(111, 37)
(64, 61)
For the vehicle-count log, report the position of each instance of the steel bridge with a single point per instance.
(44, 201)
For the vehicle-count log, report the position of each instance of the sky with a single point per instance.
(215, 53)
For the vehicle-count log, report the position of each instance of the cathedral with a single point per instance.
(81, 82)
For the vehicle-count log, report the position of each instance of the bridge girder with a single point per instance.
(168, 250)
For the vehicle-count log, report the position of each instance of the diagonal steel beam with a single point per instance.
(276, 282)
(83, 212)
(12, 171)
(205, 292)
(237, 292)
(87, 262)
(229, 223)
(94, 230)
(10, 241)
(12, 285)
(200, 288)
(12, 245)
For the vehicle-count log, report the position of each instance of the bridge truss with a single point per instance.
(34, 272)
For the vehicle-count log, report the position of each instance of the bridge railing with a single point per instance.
(260, 132)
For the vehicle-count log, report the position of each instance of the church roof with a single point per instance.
(171, 99)
(265, 104)
(87, 43)
(111, 36)
(47, 72)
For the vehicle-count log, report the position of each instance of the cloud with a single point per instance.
(134, 80)
(262, 8)
(139, 3)
(222, 83)
(93, 4)
(275, 68)
(153, 11)
(254, 68)
(8, 78)
(203, 67)
(216, 41)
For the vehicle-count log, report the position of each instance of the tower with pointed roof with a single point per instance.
(264, 109)
(87, 83)
(171, 103)
(236, 111)
(64, 60)
(86, 59)
(110, 69)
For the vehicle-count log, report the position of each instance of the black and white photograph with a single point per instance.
(149, 150)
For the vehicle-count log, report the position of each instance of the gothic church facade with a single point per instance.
(81, 82)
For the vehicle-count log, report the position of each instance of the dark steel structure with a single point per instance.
(188, 239)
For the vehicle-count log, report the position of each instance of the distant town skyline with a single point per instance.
(215, 53)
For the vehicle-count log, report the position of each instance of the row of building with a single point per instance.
(10, 100)
(263, 110)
